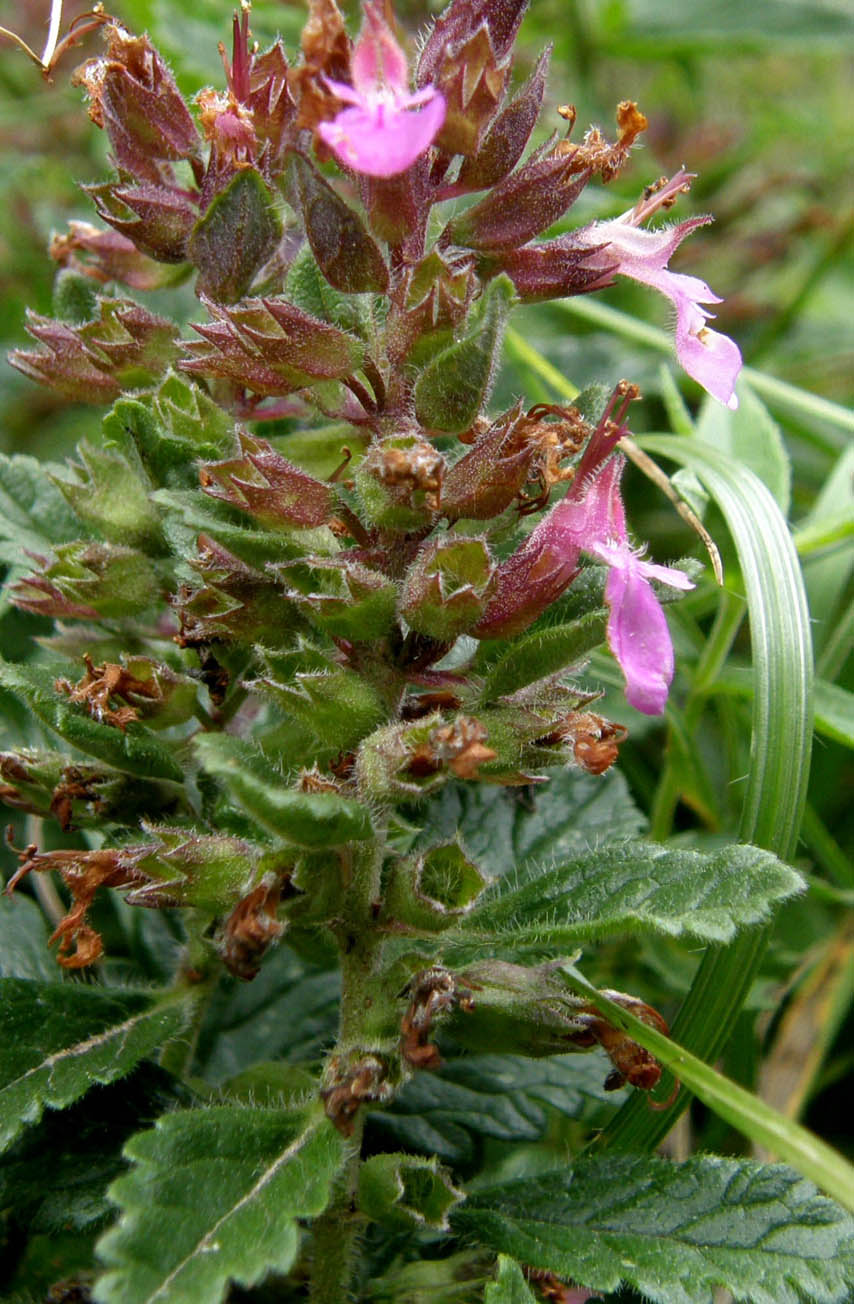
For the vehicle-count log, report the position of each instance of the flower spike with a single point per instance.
(385, 128)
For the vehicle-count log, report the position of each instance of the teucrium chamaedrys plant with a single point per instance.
(315, 697)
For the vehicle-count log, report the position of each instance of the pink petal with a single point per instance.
(712, 359)
(382, 141)
(638, 637)
(377, 58)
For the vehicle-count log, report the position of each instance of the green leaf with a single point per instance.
(58, 1040)
(309, 819)
(544, 652)
(626, 888)
(749, 435)
(763, 1124)
(834, 712)
(572, 812)
(215, 1197)
(190, 512)
(510, 1286)
(24, 951)
(339, 706)
(233, 239)
(171, 430)
(453, 387)
(674, 1232)
(288, 1013)
(33, 513)
(135, 750)
(110, 493)
(505, 1097)
(308, 288)
(55, 1176)
(406, 1191)
(776, 785)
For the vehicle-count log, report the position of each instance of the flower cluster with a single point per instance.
(307, 504)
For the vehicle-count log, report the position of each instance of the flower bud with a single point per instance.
(75, 795)
(472, 80)
(125, 347)
(178, 867)
(235, 604)
(107, 256)
(158, 220)
(459, 22)
(447, 589)
(505, 141)
(528, 201)
(486, 481)
(139, 688)
(508, 1009)
(268, 487)
(133, 96)
(87, 580)
(416, 758)
(399, 483)
(340, 595)
(270, 347)
(552, 269)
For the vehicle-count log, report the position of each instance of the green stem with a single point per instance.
(335, 1233)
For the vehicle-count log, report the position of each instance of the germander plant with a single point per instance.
(315, 707)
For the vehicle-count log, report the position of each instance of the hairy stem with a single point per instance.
(335, 1233)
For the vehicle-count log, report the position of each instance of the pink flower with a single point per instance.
(386, 128)
(637, 629)
(712, 359)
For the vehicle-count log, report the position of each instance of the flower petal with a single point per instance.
(638, 636)
(382, 141)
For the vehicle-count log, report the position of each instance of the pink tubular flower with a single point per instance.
(379, 135)
(712, 359)
(637, 629)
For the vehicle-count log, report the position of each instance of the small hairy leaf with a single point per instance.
(58, 1040)
(453, 387)
(135, 750)
(510, 1286)
(214, 1197)
(544, 652)
(310, 819)
(234, 237)
(633, 886)
(674, 1232)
